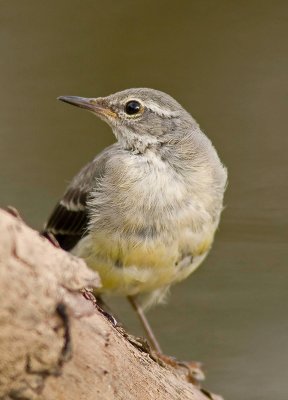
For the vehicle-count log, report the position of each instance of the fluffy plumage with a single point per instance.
(144, 211)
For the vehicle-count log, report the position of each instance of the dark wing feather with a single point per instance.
(69, 220)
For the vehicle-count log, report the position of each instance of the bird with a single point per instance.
(144, 211)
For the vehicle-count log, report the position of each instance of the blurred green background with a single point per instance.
(226, 62)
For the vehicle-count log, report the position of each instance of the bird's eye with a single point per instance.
(132, 107)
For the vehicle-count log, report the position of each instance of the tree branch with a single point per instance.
(55, 344)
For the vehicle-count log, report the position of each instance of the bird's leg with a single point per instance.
(195, 373)
(150, 335)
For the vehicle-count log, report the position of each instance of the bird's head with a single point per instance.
(140, 118)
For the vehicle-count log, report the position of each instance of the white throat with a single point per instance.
(138, 144)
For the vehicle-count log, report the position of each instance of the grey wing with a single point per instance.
(69, 220)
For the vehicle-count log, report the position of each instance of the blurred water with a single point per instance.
(226, 62)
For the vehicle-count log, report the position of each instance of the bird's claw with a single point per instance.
(194, 370)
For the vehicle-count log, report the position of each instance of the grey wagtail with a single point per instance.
(144, 212)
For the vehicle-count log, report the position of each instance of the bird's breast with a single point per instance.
(146, 229)
(142, 196)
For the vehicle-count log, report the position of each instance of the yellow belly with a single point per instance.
(132, 268)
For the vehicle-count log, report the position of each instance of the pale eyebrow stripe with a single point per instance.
(152, 106)
(161, 111)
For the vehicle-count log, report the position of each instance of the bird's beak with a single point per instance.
(97, 105)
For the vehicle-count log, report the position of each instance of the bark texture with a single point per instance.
(55, 344)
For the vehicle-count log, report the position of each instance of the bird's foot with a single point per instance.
(195, 373)
(194, 370)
